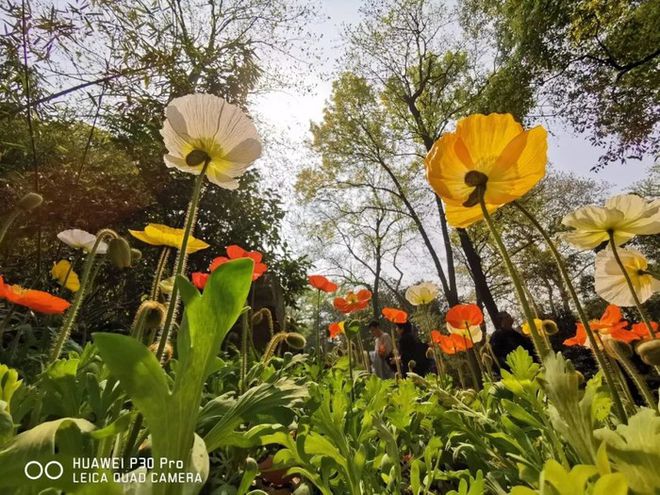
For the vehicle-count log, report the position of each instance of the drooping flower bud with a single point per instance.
(30, 201)
(119, 252)
(295, 340)
(649, 351)
(550, 327)
(136, 255)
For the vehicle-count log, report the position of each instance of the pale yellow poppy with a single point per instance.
(625, 215)
(610, 283)
(422, 293)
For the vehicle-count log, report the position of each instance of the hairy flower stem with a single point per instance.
(181, 258)
(85, 283)
(539, 343)
(395, 353)
(4, 227)
(598, 353)
(638, 380)
(363, 355)
(160, 268)
(319, 352)
(626, 275)
(245, 331)
(350, 368)
(275, 341)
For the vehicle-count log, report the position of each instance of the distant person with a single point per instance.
(383, 351)
(411, 349)
(505, 339)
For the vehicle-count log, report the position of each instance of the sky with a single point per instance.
(290, 113)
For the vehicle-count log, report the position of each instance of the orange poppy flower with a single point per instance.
(465, 315)
(36, 300)
(335, 329)
(395, 315)
(234, 252)
(353, 301)
(641, 330)
(580, 337)
(321, 283)
(452, 343)
(611, 325)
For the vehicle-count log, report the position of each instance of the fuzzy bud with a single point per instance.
(119, 252)
(649, 351)
(30, 201)
(550, 327)
(154, 314)
(616, 348)
(136, 255)
(295, 340)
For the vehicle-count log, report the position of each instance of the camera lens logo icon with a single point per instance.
(35, 470)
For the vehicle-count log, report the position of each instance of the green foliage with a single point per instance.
(635, 450)
(207, 320)
(594, 61)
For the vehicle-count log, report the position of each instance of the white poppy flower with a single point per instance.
(625, 215)
(80, 239)
(610, 283)
(422, 293)
(203, 126)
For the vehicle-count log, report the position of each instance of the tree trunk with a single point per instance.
(480, 283)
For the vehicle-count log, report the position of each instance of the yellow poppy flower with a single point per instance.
(492, 152)
(625, 215)
(62, 271)
(161, 235)
(611, 284)
(203, 127)
(422, 293)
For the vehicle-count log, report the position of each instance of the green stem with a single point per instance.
(350, 368)
(600, 358)
(181, 258)
(626, 275)
(639, 381)
(515, 278)
(319, 352)
(245, 329)
(395, 354)
(4, 227)
(72, 313)
(160, 268)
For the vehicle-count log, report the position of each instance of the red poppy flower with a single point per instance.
(36, 300)
(395, 315)
(353, 302)
(321, 283)
(335, 329)
(452, 343)
(463, 316)
(233, 252)
(641, 330)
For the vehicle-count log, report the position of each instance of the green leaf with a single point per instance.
(263, 400)
(139, 373)
(9, 383)
(634, 450)
(611, 484)
(59, 441)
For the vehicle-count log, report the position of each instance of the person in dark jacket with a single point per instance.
(411, 349)
(506, 339)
